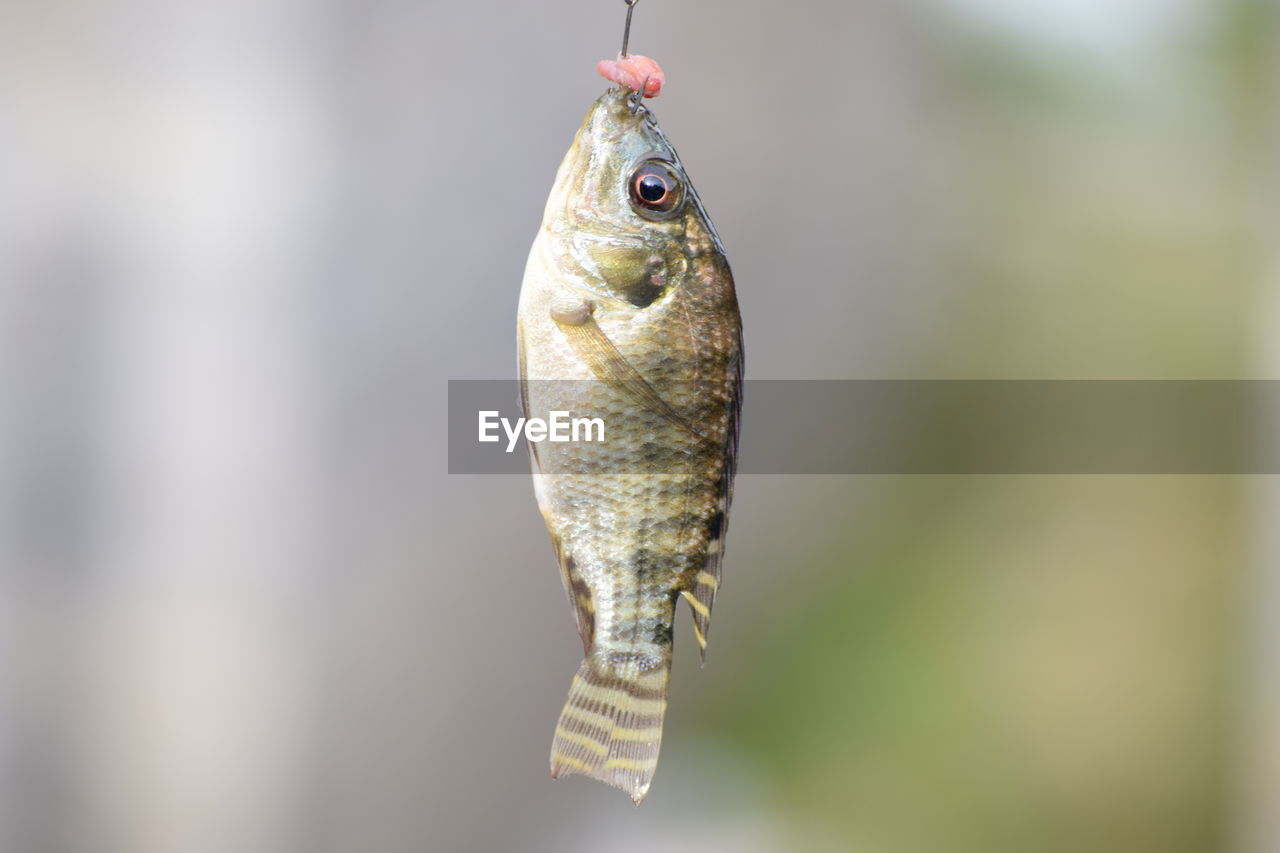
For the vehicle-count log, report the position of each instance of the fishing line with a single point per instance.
(626, 31)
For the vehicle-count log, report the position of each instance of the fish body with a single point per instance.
(628, 313)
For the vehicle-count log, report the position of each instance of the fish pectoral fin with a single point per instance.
(593, 346)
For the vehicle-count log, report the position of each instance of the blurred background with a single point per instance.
(243, 245)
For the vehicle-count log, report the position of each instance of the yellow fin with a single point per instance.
(701, 594)
(611, 728)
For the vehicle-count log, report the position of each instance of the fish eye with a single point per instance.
(656, 192)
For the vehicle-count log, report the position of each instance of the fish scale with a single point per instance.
(628, 313)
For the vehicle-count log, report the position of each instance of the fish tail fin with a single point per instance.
(611, 727)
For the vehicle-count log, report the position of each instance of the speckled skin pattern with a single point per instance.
(638, 520)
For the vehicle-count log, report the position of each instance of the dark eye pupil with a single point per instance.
(655, 190)
(651, 188)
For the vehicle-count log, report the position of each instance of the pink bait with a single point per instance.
(633, 71)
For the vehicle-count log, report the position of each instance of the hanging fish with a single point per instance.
(627, 293)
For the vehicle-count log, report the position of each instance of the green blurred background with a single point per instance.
(243, 608)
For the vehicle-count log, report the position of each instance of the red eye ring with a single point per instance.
(655, 189)
(651, 188)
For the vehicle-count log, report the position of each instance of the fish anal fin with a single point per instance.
(593, 346)
(584, 609)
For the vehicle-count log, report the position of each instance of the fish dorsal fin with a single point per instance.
(706, 583)
(701, 596)
(609, 365)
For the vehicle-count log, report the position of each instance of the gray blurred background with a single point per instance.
(243, 608)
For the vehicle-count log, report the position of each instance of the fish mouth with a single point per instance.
(614, 115)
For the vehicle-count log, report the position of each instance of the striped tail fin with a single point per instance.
(611, 727)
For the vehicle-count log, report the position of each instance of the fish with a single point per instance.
(628, 312)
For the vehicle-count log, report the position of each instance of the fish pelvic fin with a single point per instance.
(611, 727)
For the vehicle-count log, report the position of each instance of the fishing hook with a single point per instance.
(626, 32)
(637, 97)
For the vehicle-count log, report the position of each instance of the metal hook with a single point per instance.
(637, 98)
(626, 32)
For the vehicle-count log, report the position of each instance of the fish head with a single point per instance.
(623, 220)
